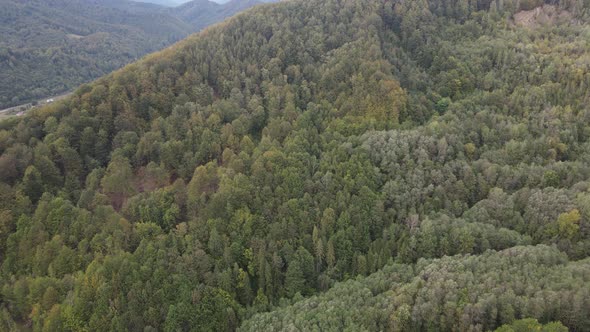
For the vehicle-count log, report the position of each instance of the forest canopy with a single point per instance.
(314, 165)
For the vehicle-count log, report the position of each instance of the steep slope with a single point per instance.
(302, 144)
(48, 47)
(473, 293)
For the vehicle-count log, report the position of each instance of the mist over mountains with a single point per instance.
(167, 3)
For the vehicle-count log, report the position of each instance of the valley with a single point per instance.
(20, 110)
(46, 48)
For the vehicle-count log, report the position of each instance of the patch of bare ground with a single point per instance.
(545, 15)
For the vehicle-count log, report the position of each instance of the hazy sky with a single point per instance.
(175, 2)
(218, 1)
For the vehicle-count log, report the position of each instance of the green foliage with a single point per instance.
(569, 224)
(530, 325)
(347, 165)
(448, 294)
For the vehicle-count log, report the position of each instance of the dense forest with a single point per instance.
(449, 294)
(48, 47)
(314, 165)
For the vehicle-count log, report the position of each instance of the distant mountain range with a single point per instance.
(203, 12)
(167, 3)
(175, 3)
(51, 46)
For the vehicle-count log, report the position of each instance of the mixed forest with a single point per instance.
(314, 165)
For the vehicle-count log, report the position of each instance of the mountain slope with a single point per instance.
(201, 13)
(449, 294)
(48, 47)
(303, 144)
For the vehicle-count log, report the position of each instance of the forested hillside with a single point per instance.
(50, 46)
(358, 165)
(450, 294)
